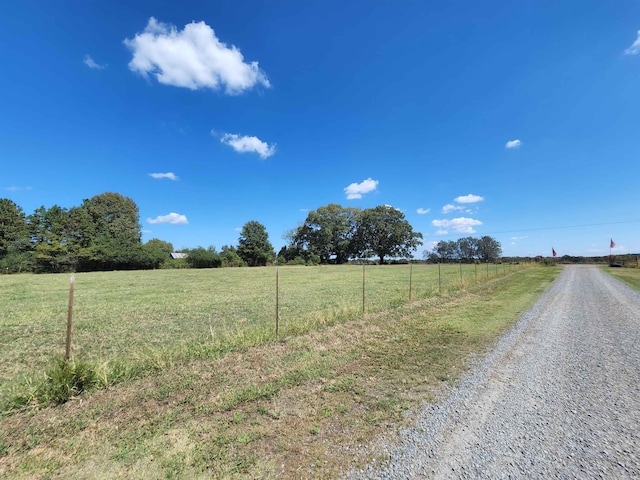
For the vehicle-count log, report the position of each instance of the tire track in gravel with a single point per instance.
(559, 397)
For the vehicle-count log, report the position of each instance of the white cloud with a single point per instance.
(471, 198)
(169, 175)
(634, 49)
(423, 211)
(17, 189)
(460, 224)
(442, 232)
(356, 190)
(172, 218)
(248, 144)
(513, 144)
(89, 62)
(448, 208)
(193, 58)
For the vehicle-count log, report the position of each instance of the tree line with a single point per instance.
(104, 233)
(467, 249)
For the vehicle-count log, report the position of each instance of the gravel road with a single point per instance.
(559, 396)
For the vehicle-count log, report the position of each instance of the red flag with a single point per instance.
(612, 244)
(554, 252)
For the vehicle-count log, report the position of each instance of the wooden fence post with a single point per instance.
(67, 354)
(410, 278)
(363, 265)
(277, 303)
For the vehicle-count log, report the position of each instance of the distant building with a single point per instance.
(177, 255)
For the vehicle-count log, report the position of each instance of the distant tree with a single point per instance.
(109, 233)
(467, 248)
(14, 232)
(200, 257)
(328, 233)
(230, 257)
(489, 249)
(383, 231)
(155, 253)
(446, 251)
(51, 240)
(254, 246)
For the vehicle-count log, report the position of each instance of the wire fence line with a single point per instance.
(116, 314)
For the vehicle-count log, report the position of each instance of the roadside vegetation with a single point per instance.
(219, 397)
(630, 276)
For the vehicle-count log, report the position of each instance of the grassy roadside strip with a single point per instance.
(630, 276)
(300, 408)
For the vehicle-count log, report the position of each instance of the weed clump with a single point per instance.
(68, 378)
(63, 380)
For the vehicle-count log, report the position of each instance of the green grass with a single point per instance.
(298, 408)
(630, 276)
(129, 323)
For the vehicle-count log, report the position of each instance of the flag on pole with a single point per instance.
(612, 244)
(553, 251)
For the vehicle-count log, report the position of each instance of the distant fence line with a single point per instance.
(407, 283)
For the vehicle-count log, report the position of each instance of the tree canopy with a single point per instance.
(485, 249)
(336, 234)
(383, 231)
(104, 233)
(328, 233)
(254, 246)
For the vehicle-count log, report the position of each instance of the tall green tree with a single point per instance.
(328, 233)
(51, 239)
(446, 251)
(489, 249)
(14, 232)
(109, 233)
(467, 248)
(254, 246)
(383, 231)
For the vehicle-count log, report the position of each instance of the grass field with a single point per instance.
(165, 315)
(301, 407)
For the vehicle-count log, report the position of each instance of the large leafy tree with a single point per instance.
(489, 249)
(328, 233)
(254, 246)
(467, 248)
(14, 232)
(108, 232)
(445, 251)
(383, 231)
(51, 239)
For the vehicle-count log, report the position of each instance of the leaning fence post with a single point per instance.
(67, 354)
(277, 303)
(439, 279)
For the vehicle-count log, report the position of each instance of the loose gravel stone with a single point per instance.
(559, 397)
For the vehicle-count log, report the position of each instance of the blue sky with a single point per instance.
(514, 119)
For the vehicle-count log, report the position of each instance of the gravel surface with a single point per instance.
(559, 396)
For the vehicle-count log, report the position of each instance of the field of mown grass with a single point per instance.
(302, 407)
(164, 315)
